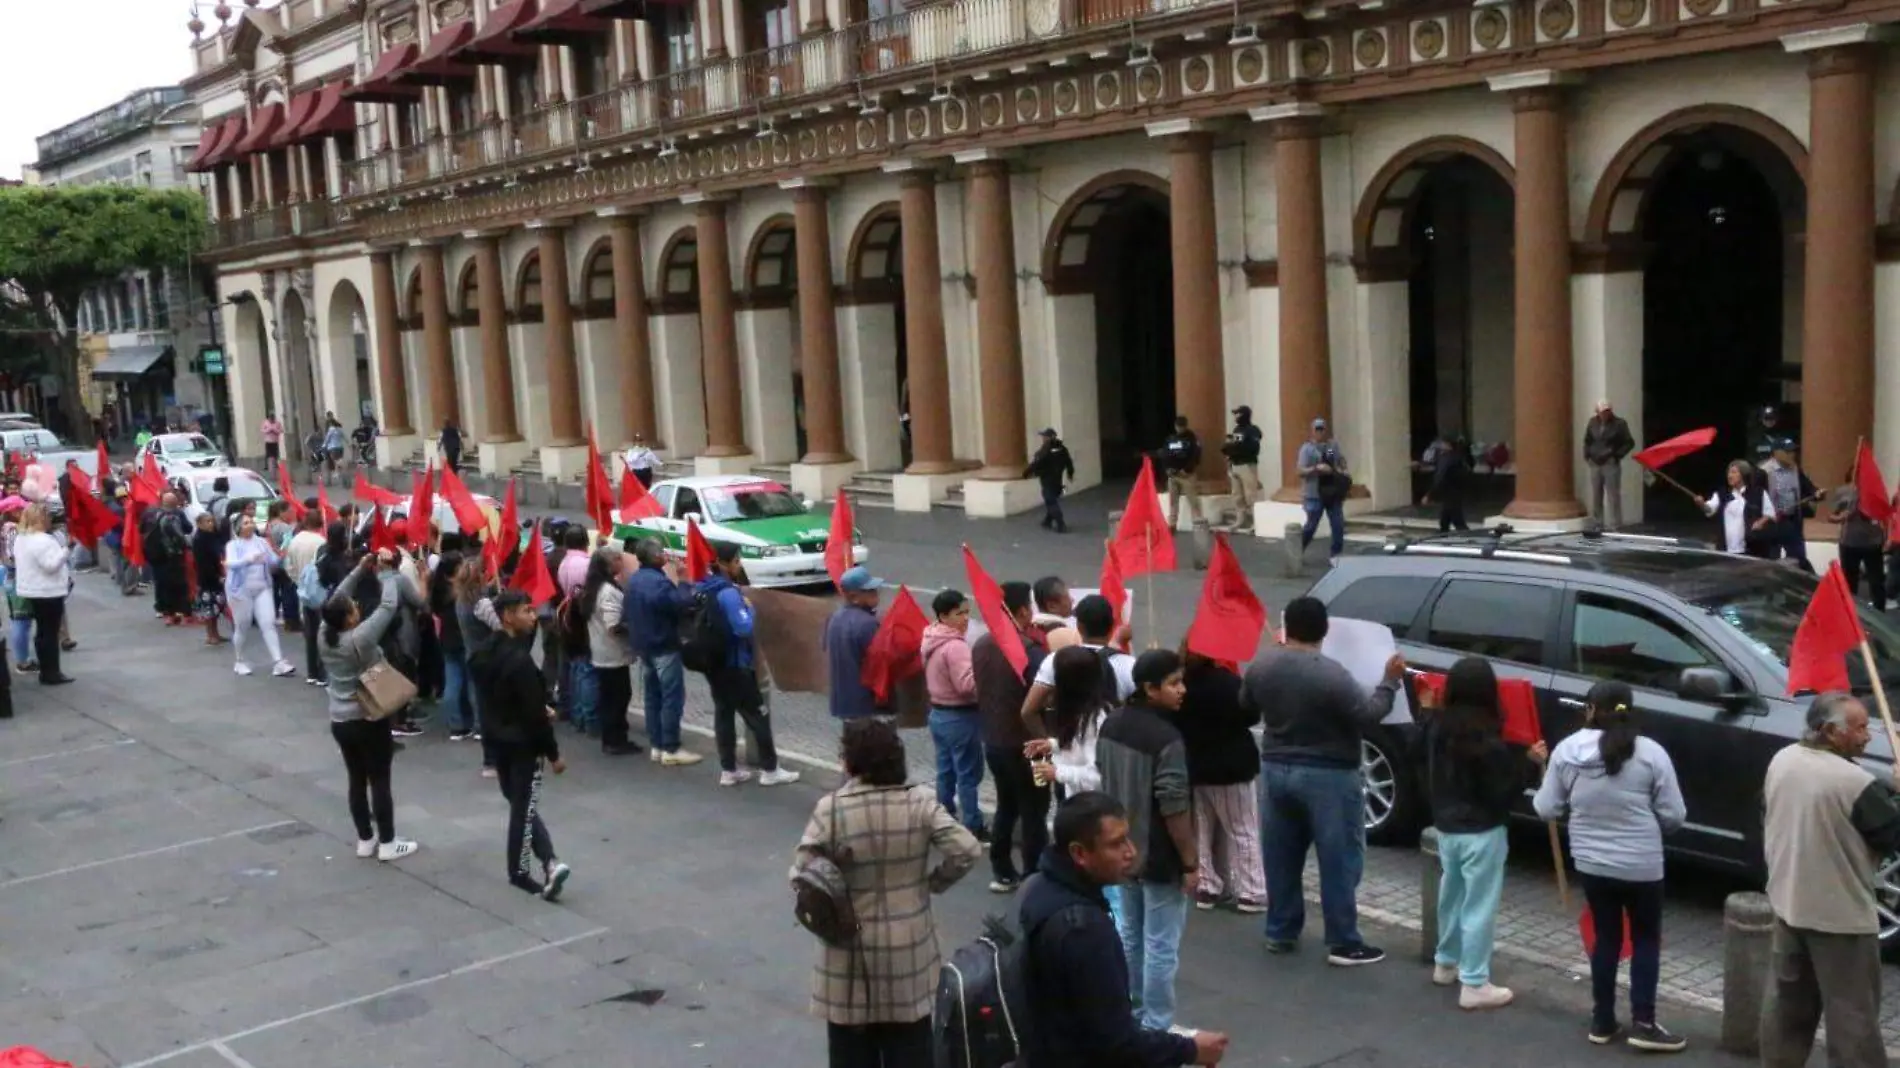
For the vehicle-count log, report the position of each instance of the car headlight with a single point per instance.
(779, 550)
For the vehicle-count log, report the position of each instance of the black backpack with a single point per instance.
(705, 637)
(981, 1016)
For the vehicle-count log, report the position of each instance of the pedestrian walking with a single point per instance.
(1022, 804)
(1076, 979)
(1451, 480)
(1312, 795)
(458, 690)
(1325, 482)
(1181, 462)
(1827, 825)
(352, 644)
(1863, 544)
(450, 445)
(875, 994)
(1606, 441)
(955, 724)
(332, 448)
(1619, 792)
(656, 604)
(1745, 512)
(44, 579)
(1793, 497)
(518, 719)
(1472, 778)
(167, 538)
(1223, 765)
(1242, 450)
(602, 605)
(207, 565)
(481, 632)
(249, 562)
(735, 682)
(1053, 467)
(272, 432)
(847, 638)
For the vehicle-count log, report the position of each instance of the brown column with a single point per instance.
(438, 350)
(390, 379)
(630, 331)
(818, 329)
(925, 357)
(718, 339)
(998, 326)
(1200, 379)
(1306, 367)
(1545, 449)
(498, 380)
(1837, 305)
(557, 334)
(715, 29)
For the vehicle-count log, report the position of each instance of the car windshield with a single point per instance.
(1767, 611)
(187, 443)
(749, 500)
(243, 484)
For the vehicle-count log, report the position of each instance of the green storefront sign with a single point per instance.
(211, 359)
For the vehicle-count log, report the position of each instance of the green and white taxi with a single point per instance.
(781, 538)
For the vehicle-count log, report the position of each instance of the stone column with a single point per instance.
(927, 361)
(1200, 378)
(498, 379)
(630, 331)
(818, 327)
(557, 333)
(438, 351)
(1545, 449)
(1306, 370)
(998, 330)
(715, 29)
(1837, 299)
(718, 340)
(390, 379)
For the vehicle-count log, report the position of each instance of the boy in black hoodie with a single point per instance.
(517, 720)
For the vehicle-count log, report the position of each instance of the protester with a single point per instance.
(167, 535)
(278, 530)
(518, 719)
(1076, 978)
(580, 689)
(1451, 478)
(352, 644)
(1828, 825)
(19, 611)
(735, 682)
(1746, 513)
(1325, 481)
(847, 637)
(1793, 497)
(207, 562)
(1863, 545)
(249, 562)
(1052, 466)
(1066, 758)
(1222, 767)
(1022, 805)
(1619, 792)
(475, 617)
(458, 690)
(1144, 768)
(602, 604)
(656, 604)
(332, 448)
(1181, 461)
(332, 560)
(955, 724)
(1312, 792)
(402, 640)
(44, 578)
(1606, 441)
(1095, 620)
(1054, 606)
(876, 994)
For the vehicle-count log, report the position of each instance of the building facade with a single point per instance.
(847, 239)
(140, 335)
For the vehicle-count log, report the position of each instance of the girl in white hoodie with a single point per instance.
(248, 562)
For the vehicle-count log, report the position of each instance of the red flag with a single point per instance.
(989, 603)
(329, 514)
(104, 463)
(600, 492)
(421, 505)
(1675, 448)
(365, 490)
(699, 552)
(1875, 503)
(1230, 619)
(1517, 703)
(468, 514)
(1830, 629)
(1429, 684)
(152, 473)
(131, 541)
(76, 476)
(1110, 585)
(531, 575)
(1143, 540)
(289, 492)
(844, 534)
(506, 536)
(87, 517)
(635, 502)
(893, 653)
(380, 535)
(1587, 927)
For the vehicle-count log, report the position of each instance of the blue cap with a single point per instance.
(859, 580)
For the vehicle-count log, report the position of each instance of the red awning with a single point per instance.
(615, 9)
(496, 43)
(439, 65)
(331, 115)
(212, 144)
(563, 22)
(301, 107)
(264, 126)
(381, 87)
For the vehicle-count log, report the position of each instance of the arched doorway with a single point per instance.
(769, 341)
(252, 383)
(1112, 242)
(679, 388)
(347, 360)
(301, 389)
(876, 340)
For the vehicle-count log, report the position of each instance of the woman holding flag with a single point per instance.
(1743, 508)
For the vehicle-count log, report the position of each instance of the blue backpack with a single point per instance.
(310, 591)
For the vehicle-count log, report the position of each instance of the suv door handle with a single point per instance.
(1572, 702)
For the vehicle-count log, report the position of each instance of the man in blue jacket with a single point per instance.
(1075, 976)
(848, 635)
(656, 605)
(735, 683)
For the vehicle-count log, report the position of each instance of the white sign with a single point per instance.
(1363, 649)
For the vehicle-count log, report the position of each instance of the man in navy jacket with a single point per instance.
(656, 604)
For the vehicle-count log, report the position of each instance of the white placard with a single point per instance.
(1363, 649)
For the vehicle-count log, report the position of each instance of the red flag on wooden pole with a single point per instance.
(422, 506)
(1143, 540)
(329, 514)
(77, 478)
(1230, 618)
(1875, 503)
(635, 502)
(289, 492)
(843, 536)
(380, 535)
(893, 653)
(365, 490)
(699, 553)
(531, 575)
(1675, 448)
(989, 603)
(131, 539)
(468, 514)
(1829, 630)
(1111, 586)
(506, 536)
(600, 492)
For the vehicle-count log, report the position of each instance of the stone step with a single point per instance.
(781, 473)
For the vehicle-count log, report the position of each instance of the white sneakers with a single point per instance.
(395, 849)
(734, 778)
(777, 778)
(1444, 974)
(242, 668)
(283, 668)
(366, 848)
(1488, 996)
(680, 759)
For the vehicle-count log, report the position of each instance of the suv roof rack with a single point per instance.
(1486, 545)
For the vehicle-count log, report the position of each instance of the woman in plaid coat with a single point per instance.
(876, 995)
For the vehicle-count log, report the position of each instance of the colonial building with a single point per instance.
(854, 239)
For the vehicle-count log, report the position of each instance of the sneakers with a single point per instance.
(1655, 1038)
(1205, 901)
(366, 848)
(557, 878)
(242, 668)
(680, 758)
(458, 736)
(1280, 947)
(395, 849)
(1603, 1035)
(656, 754)
(1004, 884)
(1251, 908)
(314, 681)
(777, 777)
(527, 884)
(283, 669)
(1354, 956)
(734, 778)
(1488, 996)
(1444, 974)
(406, 730)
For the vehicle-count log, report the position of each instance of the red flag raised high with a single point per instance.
(380, 535)
(468, 514)
(531, 575)
(892, 655)
(600, 492)
(989, 603)
(1143, 540)
(330, 515)
(289, 492)
(1829, 630)
(422, 506)
(1230, 618)
(635, 502)
(844, 533)
(365, 490)
(1110, 585)
(1875, 503)
(103, 466)
(1675, 448)
(77, 477)
(131, 540)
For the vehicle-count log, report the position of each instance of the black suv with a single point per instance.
(1700, 637)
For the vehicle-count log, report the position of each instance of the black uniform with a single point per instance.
(1052, 466)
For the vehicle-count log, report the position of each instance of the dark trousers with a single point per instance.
(1611, 900)
(368, 749)
(1451, 516)
(882, 1045)
(453, 457)
(1871, 563)
(616, 693)
(428, 675)
(312, 660)
(47, 612)
(1792, 538)
(1052, 508)
(1815, 977)
(735, 693)
(1017, 798)
(284, 592)
(518, 772)
(171, 595)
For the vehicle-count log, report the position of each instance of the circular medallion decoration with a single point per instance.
(1488, 28)
(754, 153)
(1369, 49)
(1428, 39)
(1108, 91)
(682, 168)
(807, 144)
(1700, 8)
(704, 162)
(954, 116)
(1148, 83)
(781, 148)
(1065, 97)
(916, 123)
(1556, 18)
(1627, 13)
(1250, 65)
(1198, 74)
(990, 110)
(867, 134)
(835, 143)
(1044, 17)
(1314, 58)
(729, 158)
(1028, 104)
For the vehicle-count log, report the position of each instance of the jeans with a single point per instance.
(1022, 811)
(614, 686)
(518, 773)
(47, 612)
(665, 680)
(581, 693)
(1052, 508)
(958, 734)
(878, 1045)
(1151, 920)
(368, 748)
(457, 694)
(1335, 513)
(1306, 806)
(1468, 892)
(1610, 900)
(1815, 977)
(735, 693)
(20, 636)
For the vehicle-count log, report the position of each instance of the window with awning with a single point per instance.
(439, 64)
(496, 43)
(382, 86)
(127, 364)
(217, 140)
(265, 123)
(563, 22)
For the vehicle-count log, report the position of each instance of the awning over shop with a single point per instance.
(615, 9)
(216, 140)
(439, 65)
(381, 87)
(563, 22)
(332, 115)
(496, 43)
(121, 365)
(298, 113)
(264, 126)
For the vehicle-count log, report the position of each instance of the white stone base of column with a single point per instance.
(1538, 526)
(917, 493)
(395, 451)
(498, 458)
(1215, 508)
(820, 481)
(999, 500)
(563, 463)
(709, 466)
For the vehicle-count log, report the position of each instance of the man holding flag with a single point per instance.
(1863, 510)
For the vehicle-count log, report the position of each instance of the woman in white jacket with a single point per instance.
(607, 645)
(1067, 759)
(43, 579)
(248, 562)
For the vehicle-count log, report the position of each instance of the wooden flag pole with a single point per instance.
(1691, 494)
(1557, 861)
(1149, 531)
(1880, 697)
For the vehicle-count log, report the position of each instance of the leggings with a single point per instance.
(368, 748)
(47, 613)
(259, 608)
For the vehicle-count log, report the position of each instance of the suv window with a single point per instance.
(1503, 620)
(1393, 600)
(1617, 639)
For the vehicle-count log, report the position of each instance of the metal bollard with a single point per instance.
(1295, 554)
(1428, 875)
(1748, 925)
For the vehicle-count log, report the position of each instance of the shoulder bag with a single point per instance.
(383, 691)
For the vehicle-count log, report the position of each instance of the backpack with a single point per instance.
(1111, 682)
(705, 637)
(981, 1018)
(310, 591)
(164, 542)
(571, 627)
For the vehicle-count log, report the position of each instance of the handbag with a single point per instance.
(821, 899)
(383, 691)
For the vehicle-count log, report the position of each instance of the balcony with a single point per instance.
(280, 223)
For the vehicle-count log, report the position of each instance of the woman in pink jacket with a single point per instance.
(955, 724)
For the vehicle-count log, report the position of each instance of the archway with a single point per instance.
(301, 389)
(678, 376)
(876, 341)
(347, 361)
(252, 383)
(770, 342)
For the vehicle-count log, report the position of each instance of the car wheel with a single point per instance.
(1887, 904)
(1392, 801)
